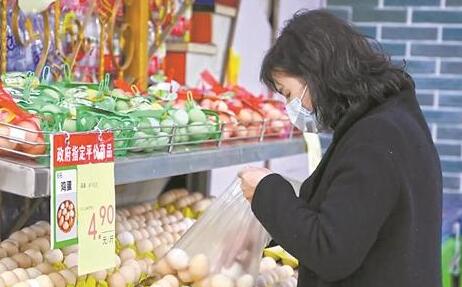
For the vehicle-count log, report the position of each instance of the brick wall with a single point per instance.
(428, 34)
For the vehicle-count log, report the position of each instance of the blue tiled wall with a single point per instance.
(428, 34)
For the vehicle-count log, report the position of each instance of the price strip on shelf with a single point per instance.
(83, 197)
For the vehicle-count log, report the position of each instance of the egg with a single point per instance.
(71, 260)
(9, 263)
(100, 275)
(70, 249)
(185, 276)
(172, 280)
(144, 245)
(2, 283)
(267, 263)
(119, 227)
(9, 278)
(3, 268)
(42, 243)
(21, 273)
(75, 270)
(161, 250)
(11, 247)
(44, 281)
(23, 260)
(20, 237)
(127, 254)
(45, 225)
(5, 143)
(70, 278)
(33, 272)
(289, 271)
(159, 229)
(168, 228)
(3, 253)
(20, 284)
(220, 280)
(163, 211)
(145, 233)
(155, 242)
(151, 232)
(178, 259)
(57, 279)
(142, 265)
(245, 281)
(35, 255)
(206, 282)
(117, 280)
(137, 235)
(129, 273)
(126, 238)
(117, 261)
(168, 237)
(33, 283)
(127, 226)
(163, 268)
(38, 149)
(199, 267)
(134, 224)
(202, 205)
(38, 230)
(44, 268)
(234, 271)
(54, 256)
(165, 221)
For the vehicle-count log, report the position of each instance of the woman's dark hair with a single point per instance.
(343, 69)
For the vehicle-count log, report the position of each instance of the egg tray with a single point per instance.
(126, 141)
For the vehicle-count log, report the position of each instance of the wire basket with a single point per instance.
(172, 139)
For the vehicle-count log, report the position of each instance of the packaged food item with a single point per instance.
(223, 248)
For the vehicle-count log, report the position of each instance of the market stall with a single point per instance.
(147, 89)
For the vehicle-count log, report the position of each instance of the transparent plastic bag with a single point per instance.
(223, 248)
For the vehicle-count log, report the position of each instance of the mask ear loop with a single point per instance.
(304, 92)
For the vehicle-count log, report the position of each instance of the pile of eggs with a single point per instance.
(272, 274)
(177, 268)
(145, 232)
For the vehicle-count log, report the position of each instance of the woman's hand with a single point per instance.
(250, 178)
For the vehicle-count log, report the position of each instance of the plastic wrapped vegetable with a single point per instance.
(223, 248)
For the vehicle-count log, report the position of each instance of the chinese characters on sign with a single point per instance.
(83, 197)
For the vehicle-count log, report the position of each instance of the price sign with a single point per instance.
(83, 197)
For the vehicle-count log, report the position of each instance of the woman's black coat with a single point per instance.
(370, 214)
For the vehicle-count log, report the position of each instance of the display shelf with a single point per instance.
(31, 180)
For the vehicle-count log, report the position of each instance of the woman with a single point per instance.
(370, 214)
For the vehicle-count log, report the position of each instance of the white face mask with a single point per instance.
(299, 116)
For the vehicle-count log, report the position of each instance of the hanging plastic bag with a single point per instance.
(223, 248)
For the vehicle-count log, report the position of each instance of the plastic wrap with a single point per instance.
(223, 247)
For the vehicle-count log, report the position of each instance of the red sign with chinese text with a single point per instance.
(83, 148)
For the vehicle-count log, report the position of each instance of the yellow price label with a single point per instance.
(96, 230)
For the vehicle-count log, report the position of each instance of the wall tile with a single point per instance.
(436, 50)
(451, 67)
(412, 2)
(436, 16)
(453, 34)
(365, 14)
(438, 83)
(449, 149)
(409, 33)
